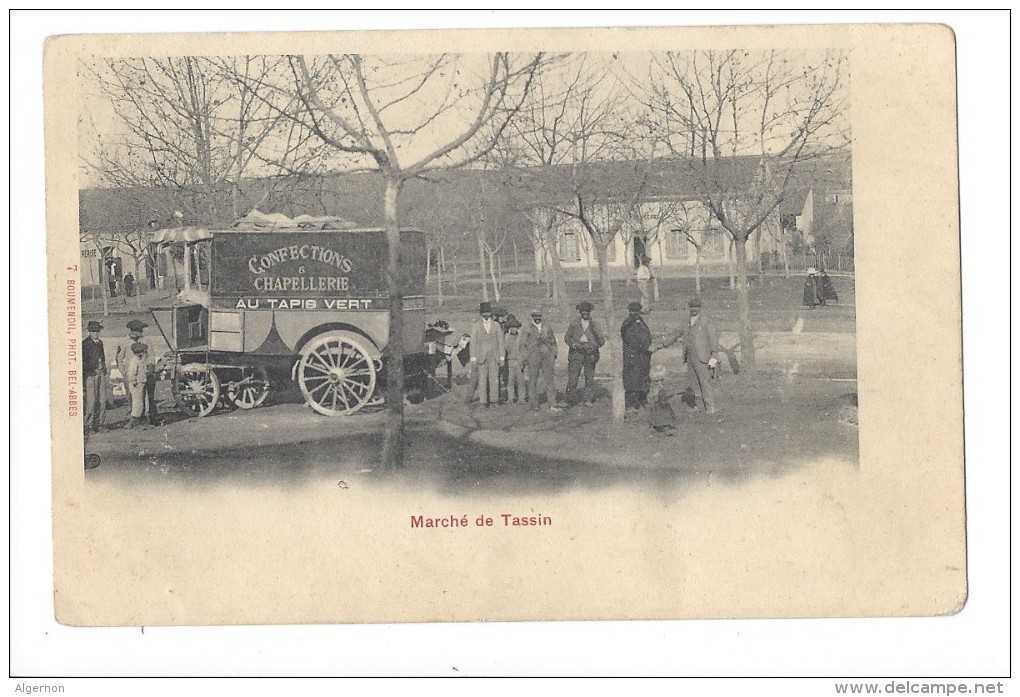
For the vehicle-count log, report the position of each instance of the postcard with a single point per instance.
(505, 325)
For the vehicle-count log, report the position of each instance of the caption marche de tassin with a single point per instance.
(509, 520)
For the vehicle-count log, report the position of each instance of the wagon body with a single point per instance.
(314, 300)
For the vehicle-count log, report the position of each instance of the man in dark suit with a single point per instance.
(637, 357)
(583, 339)
(95, 372)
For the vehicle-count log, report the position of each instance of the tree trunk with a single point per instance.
(139, 283)
(757, 255)
(393, 435)
(732, 261)
(785, 252)
(747, 362)
(103, 286)
(456, 282)
(540, 272)
(492, 276)
(481, 266)
(559, 284)
(614, 342)
(697, 270)
(517, 263)
(587, 257)
(428, 266)
(439, 275)
(655, 279)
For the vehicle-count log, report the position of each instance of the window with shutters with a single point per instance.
(570, 247)
(677, 246)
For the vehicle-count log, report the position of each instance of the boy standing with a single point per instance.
(515, 362)
(136, 375)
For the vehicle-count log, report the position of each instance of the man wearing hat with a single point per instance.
(538, 346)
(637, 357)
(700, 343)
(488, 353)
(583, 339)
(136, 329)
(94, 370)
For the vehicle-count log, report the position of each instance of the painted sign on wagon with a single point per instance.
(328, 270)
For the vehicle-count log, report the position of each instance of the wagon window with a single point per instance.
(200, 264)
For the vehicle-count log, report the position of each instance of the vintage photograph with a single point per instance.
(600, 257)
(527, 325)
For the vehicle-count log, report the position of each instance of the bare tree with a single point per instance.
(582, 123)
(778, 110)
(404, 117)
(543, 224)
(135, 243)
(194, 127)
(565, 113)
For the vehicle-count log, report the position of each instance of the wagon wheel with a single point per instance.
(196, 389)
(251, 390)
(336, 375)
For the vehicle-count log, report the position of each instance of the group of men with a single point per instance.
(137, 364)
(700, 344)
(505, 354)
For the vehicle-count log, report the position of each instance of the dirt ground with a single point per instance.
(793, 412)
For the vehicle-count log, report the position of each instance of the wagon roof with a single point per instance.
(181, 234)
(231, 231)
(257, 221)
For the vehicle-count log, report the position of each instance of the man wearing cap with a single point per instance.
(93, 358)
(538, 346)
(637, 357)
(136, 328)
(700, 343)
(515, 382)
(488, 353)
(583, 339)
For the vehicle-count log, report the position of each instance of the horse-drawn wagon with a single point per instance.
(307, 295)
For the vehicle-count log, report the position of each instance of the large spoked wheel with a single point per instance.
(336, 375)
(251, 389)
(196, 389)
